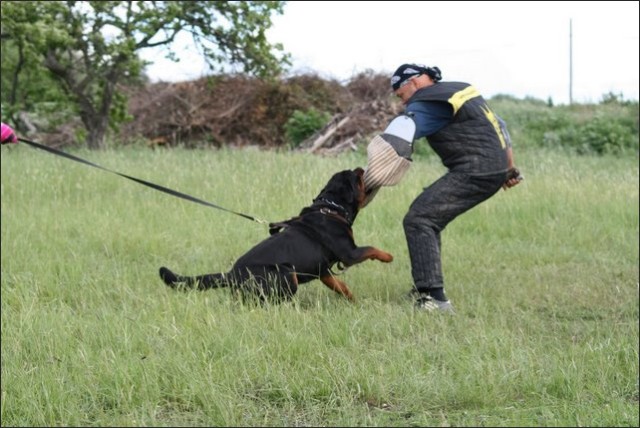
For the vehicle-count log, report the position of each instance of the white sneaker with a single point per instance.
(427, 303)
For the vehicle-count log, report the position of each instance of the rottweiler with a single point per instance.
(298, 250)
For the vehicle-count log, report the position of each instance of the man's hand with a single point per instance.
(513, 178)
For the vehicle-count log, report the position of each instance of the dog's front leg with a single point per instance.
(360, 254)
(338, 286)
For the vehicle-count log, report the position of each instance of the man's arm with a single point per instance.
(513, 175)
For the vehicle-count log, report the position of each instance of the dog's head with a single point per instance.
(344, 193)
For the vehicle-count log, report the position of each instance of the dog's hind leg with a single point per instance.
(338, 286)
(272, 283)
(200, 282)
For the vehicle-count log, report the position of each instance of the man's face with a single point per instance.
(408, 88)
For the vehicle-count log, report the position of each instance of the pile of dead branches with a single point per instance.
(244, 111)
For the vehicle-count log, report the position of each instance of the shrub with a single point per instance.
(608, 128)
(303, 124)
(601, 135)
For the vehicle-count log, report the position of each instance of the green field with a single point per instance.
(544, 279)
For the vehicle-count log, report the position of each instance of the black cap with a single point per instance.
(406, 72)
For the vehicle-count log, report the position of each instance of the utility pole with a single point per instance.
(570, 62)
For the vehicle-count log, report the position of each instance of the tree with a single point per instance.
(90, 47)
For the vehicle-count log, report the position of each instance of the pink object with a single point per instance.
(7, 135)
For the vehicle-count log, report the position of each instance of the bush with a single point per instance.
(608, 128)
(303, 124)
(602, 135)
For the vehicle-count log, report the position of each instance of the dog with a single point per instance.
(298, 250)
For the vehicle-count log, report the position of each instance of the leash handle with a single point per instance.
(138, 180)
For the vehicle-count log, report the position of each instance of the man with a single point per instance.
(473, 144)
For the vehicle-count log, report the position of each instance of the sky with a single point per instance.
(557, 50)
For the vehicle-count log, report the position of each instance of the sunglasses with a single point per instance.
(409, 80)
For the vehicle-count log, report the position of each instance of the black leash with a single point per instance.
(137, 180)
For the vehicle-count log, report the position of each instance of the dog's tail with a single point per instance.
(200, 282)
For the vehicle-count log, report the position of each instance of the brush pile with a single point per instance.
(241, 111)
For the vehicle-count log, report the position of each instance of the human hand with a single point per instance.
(7, 135)
(513, 178)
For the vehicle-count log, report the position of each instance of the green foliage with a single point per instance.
(616, 99)
(28, 87)
(89, 48)
(601, 135)
(609, 127)
(119, 112)
(303, 124)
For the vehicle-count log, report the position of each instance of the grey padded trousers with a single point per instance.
(451, 195)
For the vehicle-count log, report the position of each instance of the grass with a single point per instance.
(544, 279)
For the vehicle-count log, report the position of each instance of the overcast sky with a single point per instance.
(516, 48)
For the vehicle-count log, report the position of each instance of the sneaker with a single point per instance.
(427, 303)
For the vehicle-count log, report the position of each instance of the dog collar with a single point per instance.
(325, 210)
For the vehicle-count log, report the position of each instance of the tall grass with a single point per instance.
(544, 279)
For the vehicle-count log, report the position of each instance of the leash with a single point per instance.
(140, 181)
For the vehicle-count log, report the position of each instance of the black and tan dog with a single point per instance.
(299, 250)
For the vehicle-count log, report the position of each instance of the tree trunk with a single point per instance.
(97, 131)
(94, 109)
(96, 120)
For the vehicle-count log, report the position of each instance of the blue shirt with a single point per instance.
(429, 116)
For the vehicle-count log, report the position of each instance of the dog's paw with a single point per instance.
(385, 257)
